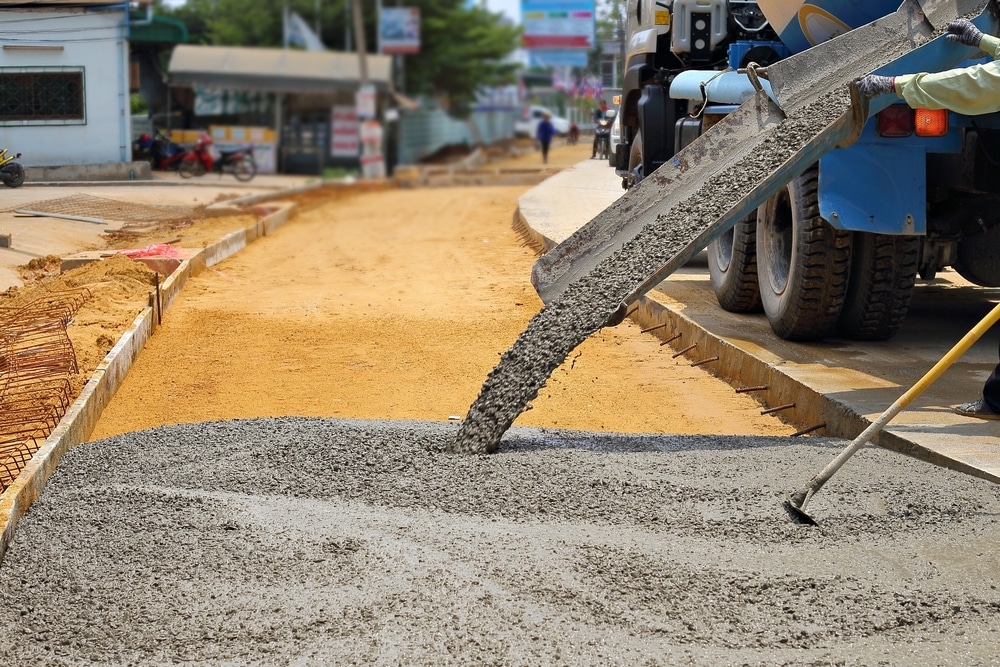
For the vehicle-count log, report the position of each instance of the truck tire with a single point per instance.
(883, 272)
(635, 168)
(732, 267)
(803, 263)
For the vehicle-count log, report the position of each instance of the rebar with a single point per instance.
(686, 349)
(670, 340)
(704, 361)
(808, 429)
(777, 409)
(743, 390)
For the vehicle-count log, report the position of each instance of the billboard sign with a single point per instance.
(558, 24)
(399, 30)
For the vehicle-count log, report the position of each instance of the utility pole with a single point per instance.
(359, 36)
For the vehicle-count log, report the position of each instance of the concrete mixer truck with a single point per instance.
(838, 249)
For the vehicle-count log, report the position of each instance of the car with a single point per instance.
(532, 115)
(616, 138)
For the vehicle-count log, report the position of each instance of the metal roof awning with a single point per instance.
(274, 70)
(159, 29)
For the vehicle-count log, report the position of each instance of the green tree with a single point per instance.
(462, 48)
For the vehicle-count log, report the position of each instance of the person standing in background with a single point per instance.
(546, 130)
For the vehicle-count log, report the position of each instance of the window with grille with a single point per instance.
(42, 96)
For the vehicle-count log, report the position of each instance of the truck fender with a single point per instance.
(880, 188)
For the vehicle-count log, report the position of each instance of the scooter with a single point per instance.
(602, 139)
(11, 172)
(203, 158)
(160, 152)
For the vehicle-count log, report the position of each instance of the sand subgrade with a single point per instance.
(312, 541)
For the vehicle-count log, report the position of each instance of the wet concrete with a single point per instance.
(588, 303)
(306, 541)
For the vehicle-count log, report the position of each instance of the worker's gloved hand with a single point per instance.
(964, 32)
(872, 85)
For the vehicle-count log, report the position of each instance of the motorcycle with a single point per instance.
(11, 171)
(204, 158)
(602, 139)
(161, 153)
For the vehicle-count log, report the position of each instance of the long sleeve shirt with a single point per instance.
(970, 90)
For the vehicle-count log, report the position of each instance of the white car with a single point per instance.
(616, 138)
(531, 116)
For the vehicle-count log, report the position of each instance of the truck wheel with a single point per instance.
(732, 267)
(634, 174)
(883, 272)
(803, 263)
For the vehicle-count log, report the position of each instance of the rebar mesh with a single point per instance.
(36, 359)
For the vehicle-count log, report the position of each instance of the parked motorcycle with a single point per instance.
(204, 158)
(602, 139)
(11, 171)
(161, 153)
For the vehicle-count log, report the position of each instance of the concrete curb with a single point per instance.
(79, 421)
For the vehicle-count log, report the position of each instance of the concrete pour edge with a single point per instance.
(741, 368)
(81, 417)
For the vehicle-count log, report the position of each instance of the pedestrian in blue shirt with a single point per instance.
(546, 130)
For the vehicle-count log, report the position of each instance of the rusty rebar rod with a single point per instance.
(658, 326)
(686, 349)
(777, 409)
(705, 361)
(808, 429)
(670, 340)
(743, 390)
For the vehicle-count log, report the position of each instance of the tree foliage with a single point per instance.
(463, 45)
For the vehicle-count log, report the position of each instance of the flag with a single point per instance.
(297, 33)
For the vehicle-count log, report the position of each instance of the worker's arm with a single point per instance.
(971, 90)
(967, 90)
(991, 45)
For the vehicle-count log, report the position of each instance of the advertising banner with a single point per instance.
(399, 30)
(344, 140)
(558, 24)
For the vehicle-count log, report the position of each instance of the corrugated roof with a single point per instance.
(273, 70)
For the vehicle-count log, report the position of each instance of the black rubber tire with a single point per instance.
(17, 178)
(244, 169)
(189, 168)
(883, 273)
(803, 263)
(732, 267)
(635, 158)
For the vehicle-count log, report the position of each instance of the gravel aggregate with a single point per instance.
(309, 541)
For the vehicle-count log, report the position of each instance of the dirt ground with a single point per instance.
(343, 311)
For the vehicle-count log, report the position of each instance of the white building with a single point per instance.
(64, 81)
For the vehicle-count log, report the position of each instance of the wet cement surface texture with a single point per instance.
(312, 541)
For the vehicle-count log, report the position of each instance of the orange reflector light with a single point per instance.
(929, 123)
(895, 121)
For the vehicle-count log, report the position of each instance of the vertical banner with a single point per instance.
(344, 142)
(399, 30)
(364, 99)
(372, 162)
